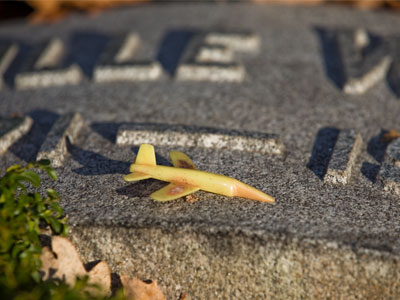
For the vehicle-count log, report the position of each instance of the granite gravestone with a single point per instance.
(295, 105)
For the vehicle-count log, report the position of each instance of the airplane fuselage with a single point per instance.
(210, 182)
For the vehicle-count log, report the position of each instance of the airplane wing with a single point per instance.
(173, 191)
(136, 176)
(181, 160)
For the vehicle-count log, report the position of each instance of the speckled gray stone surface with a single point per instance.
(317, 241)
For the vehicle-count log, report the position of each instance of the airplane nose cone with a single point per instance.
(245, 191)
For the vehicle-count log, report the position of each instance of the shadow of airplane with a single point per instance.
(94, 163)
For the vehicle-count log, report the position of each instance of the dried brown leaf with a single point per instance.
(65, 264)
(136, 289)
(291, 2)
(49, 262)
(182, 296)
(393, 3)
(54, 10)
(70, 265)
(390, 136)
(191, 198)
(100, 275)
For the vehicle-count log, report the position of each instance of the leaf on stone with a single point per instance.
(100, 275)
(136, 289)
(390, 136)
(64, 263)
(49, 263)
(54, 10)
(191, 198)
(70, 265)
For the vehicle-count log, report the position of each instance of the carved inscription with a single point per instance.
(210, 56)
(393, 152)
(46, 67)
(7, 53)
(346, 146)
(117, 62)
(361, 59)
(12, 129)
(55, 144)
(390, 170)
(365, 62)
(390, 178)
(346, 150)
(187, 136)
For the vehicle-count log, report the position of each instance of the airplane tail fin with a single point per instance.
(145, 156)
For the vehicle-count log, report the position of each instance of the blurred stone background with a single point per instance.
(54, 10)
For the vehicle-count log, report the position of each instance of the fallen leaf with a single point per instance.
(191, 198)
(390, 136)
(16, 115)
(63, 262)
(54, 10)
(136, 289)
(49, 263)
(182, 296)
(69, 263)
(371, 4)
(100, 275)
(290, 2)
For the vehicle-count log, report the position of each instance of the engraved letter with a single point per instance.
(210, 57)
(117, 64)
(345, 152)
(46, 68)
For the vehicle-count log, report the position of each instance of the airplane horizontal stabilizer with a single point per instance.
(181, 160)
(136, 176)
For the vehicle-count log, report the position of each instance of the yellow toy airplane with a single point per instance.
(185, 179)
